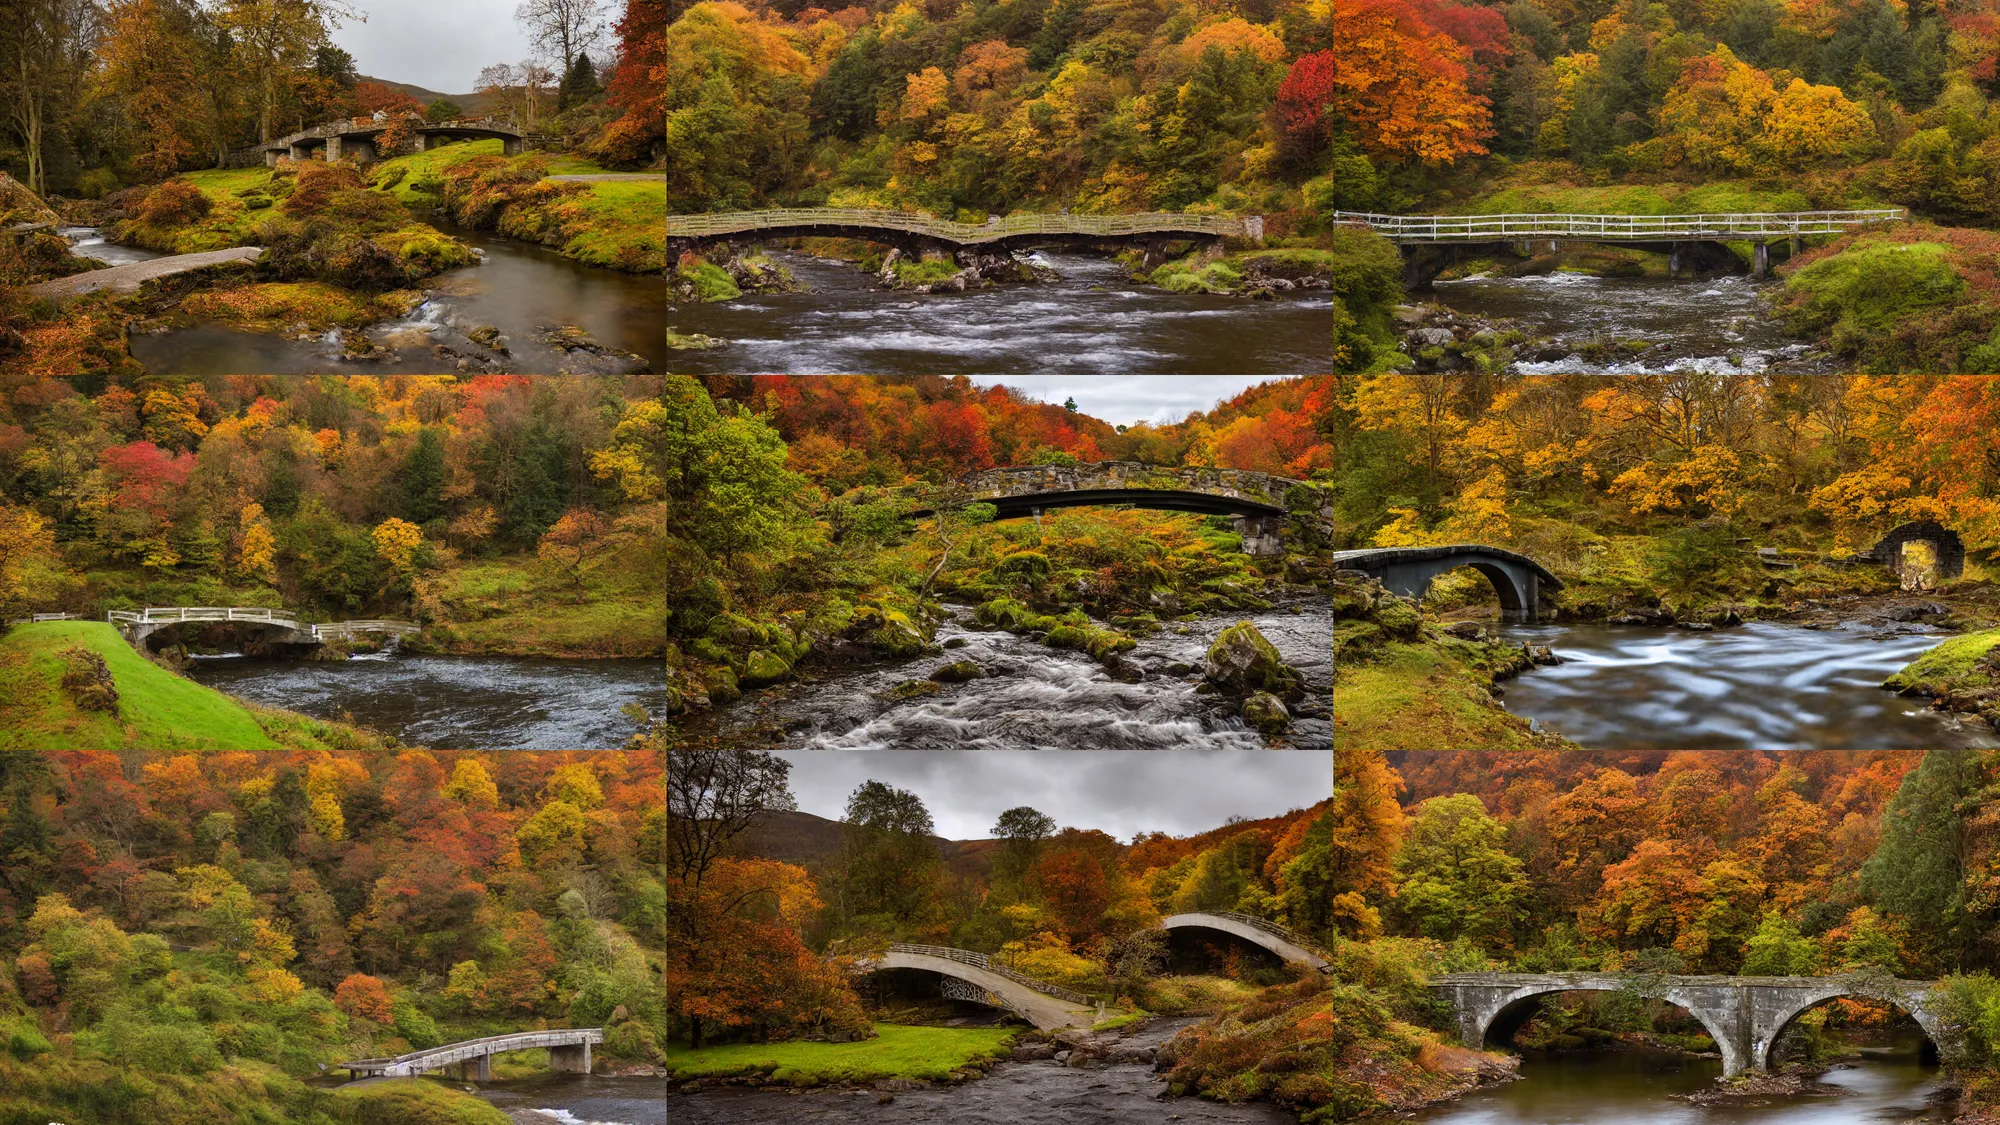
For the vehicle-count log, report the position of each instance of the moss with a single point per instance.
(1425, 697)
(1185, 277)
(709, 282)
(1861, 294)
(917, 1053)
(764, 667)
(927, 271)
(956, 673)
(414, 1101)
(1948, 667)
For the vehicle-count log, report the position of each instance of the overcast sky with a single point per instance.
(438, 44)
(1125, 399)
(1122, 792)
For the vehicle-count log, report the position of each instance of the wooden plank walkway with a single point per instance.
(803, 219)
(1615, 228)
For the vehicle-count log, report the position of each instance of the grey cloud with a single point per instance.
(437, 44)
(1116, 791)
(1126, 399)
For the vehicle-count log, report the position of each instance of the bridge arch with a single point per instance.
(1256, 501)
(1944, 542)
(1264, 935)
(1045, 1005)
(1408, 571)
(1907, 998)
(1512, 1009)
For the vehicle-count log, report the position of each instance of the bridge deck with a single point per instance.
(125, 620)
(435, 1057)
(804, 219)
(1614, 228)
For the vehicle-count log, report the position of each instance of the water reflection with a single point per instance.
(1760, 686)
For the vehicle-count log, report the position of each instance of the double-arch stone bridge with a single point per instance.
(569, 1053)
(918, 234)
(974, 977)
(1518, 579)
(1259, 502)
(1744, 1015)
(1266, 935)
(264, 630)
(358, 136)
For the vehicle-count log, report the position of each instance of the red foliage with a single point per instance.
(372, 96)
(145, 477)
(365, 997)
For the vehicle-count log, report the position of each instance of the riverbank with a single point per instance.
(896, 1054)
(78, 683)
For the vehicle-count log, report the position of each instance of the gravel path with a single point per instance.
(127, 278)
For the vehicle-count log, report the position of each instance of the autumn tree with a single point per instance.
(577, 539)
(1396, 83)
(1455, 876)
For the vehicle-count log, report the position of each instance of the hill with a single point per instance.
(814, 841)
(474, 104)
(153, 709)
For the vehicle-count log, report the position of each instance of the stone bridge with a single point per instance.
(1518, 579)
(1266, 935)
(918, 234)
(1432, 243)
(1259, 502)
(1744, 1015)
(266, 631)
(357, 137)
(1943, 540)
(569, 1053)
(972, 976)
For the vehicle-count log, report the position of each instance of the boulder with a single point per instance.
(764, 667)
(957, 672)
(1267, 713)
(1465, 630)
(1242, 663)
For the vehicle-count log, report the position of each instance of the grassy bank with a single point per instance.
(614, 225)
(509, 606)
(1910, 298)
(155, 709)
(928, 1054)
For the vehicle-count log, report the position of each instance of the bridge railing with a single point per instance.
(736, 222)
(37, 618)
(1614, 228)
(285, 618)
(474, 1048)
(980, 960)
(1265, 925)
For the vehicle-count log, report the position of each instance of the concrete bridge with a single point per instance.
(357, 137)
(1744, 1015)
(265, 630)
(1518, 579)
(1266, 935)
(917, 234)
(1431, 243)
(972, 976)
(1259, 502)
(569, 1053)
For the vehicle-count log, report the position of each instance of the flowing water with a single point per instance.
(1760, 686)
(1031, 696)
(520, 288)
(1029, 1093)
(455, 702)
(1091, 320)
(585, 1099)
(1717, 325)
(89, 242)
(1637, 1088)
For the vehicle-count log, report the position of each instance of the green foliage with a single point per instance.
(413, 1101)
(918, 1053)
(1777, 949)
(1858, 298)
(1457, 878)
(1917, 871)
(709, 282)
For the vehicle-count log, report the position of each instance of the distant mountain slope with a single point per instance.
(474, 104)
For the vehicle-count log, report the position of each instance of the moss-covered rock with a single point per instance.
(915, 689)
(1241, 662)
(1267, 713)
(1962, 674)
(764, 667)
(957, 672)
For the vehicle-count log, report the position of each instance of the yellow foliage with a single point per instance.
(271, 986)
(326, 818)
(1233, 35)
(396, 541)
(471, 784)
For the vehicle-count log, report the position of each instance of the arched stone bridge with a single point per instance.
(569, 1053)
(1259, 502)
(1744, 1015)
(265, 629)
(916, 234)
(1943, 540)
(1256, 931)
(1047, 1006)
(1518, 579)
(358, 136)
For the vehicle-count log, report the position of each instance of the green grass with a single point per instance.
(1944, 666)
(921, 1053)
(1637, 199)
(156, 709)
(511, 606)
(623, 214)
(414, 1101)
(1421, 697)
(419, 165)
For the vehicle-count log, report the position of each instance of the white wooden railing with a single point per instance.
(1159, 222)
(434, 1058)
(171, 615)
(1614, 228)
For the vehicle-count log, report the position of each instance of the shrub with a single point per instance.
(88, 681)
(316, 185)
(366, 997)
(25, 1041)
(413, 1025)
(175, 203)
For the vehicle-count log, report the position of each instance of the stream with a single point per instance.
(1636, 1088)
(455, 702)
(1720, 324)
(584, 1099)
(1091, 320)
(1031, 696)
(520, 288)
(1757, 686)
(1029, 1093)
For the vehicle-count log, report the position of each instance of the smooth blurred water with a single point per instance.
(1759, 686)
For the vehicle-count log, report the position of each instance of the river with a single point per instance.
(1031, 696)
(1637, 1088)
(584, 1099)
(455, 702)
(1761, 686)
(1720, 324)
(1092, 320)
(520, 288)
